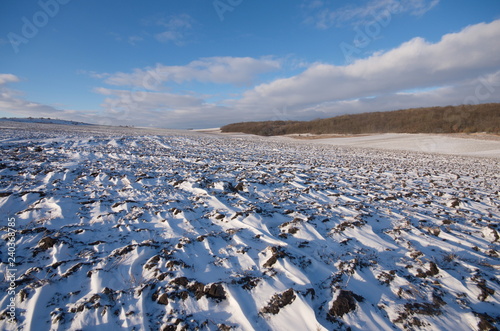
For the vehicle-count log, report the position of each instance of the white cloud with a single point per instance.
(8, 78)
(220, 70)
(482, 89)
(175, 28)
(122, 107)
(13, 104)
(169, 110)
(151, 108)
(323, 17)
(132, 100)
(414, 64)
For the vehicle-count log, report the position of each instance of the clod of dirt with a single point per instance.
(46, 243)
(23, 294)
(152, 262)
(107, 291)
(453, 203)
(181, 281)
(216, 291)
(123, 250)
(485, 322)
(345, 303)
(224, 327)
(198, 289)
(485, 290)
(240, 186)
(163, 299)
(433, 269)
(277, 252)
(424, 308)
(248, 282)
(175, 211)
(278, 301)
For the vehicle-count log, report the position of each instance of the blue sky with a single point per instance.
(206, 63)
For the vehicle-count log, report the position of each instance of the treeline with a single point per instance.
(450, 119)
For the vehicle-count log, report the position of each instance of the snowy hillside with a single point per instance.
(157, 230)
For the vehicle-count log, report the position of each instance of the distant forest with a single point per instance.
(450, 119)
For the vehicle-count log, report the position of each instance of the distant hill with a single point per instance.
(449, 119)
(42, 120)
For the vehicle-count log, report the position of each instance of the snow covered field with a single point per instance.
(427, 143)
(160, 230)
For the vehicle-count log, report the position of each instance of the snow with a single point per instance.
(426, 143)
(110, 220)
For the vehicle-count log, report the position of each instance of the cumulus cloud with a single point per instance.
(483, 89)
(323, 17)
(220, 70)
(414, 64)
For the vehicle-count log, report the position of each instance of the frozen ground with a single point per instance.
(427, 143)
(145, 230)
